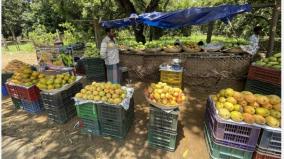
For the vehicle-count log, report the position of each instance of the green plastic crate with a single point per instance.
(87, 110)
(218, 151)
(16, 102)
(162, 139)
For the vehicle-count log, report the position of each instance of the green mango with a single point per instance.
(273, 63)
(272, 59)
(265, 60)
(259, 63)
(277, 55)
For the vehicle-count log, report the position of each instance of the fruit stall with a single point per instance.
(242, 116)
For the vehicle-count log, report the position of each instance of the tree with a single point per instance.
(11, 17)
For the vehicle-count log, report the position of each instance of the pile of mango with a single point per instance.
(248, 107)
(271, 62)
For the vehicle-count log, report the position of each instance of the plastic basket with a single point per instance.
(263, 155)
(266, 75)
(116, 129)
(61, 115)
(238, 135)
(90, 126)
(4, 91)
(62, 98)
(163, 120)
(33, 107)
(113, 112)
(270, 141)
(171, 77)
(262, 88)
(161, 139)
(218, 151)
(87, 111)
(31, 94)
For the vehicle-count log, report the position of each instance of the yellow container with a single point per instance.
(172, 78)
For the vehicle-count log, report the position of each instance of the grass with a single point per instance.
(25, 47)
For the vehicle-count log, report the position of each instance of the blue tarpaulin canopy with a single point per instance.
(180, 18)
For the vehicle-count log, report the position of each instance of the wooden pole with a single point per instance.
(275, 16)
(210, 31)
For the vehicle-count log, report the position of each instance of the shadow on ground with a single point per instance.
(33, 136)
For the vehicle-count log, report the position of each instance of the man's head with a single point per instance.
(110, 32)
(257, 30)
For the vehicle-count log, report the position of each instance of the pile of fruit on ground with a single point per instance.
(102, 92)
(271, 62)
(163, 94)
(27, 77)
(14, 65)
(248, 107)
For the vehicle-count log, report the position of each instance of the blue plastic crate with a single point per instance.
(32, 107)
(4, 91)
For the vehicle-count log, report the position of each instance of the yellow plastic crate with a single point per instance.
(172, 78)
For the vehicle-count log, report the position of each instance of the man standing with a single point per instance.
(109, 52)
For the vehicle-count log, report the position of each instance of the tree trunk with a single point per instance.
(138, 32)
(13, 33)
(155, 33)
(210, 31)
(275, 15)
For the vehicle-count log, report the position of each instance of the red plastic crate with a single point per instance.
(262, 155)
(263, 74)
(30, 94)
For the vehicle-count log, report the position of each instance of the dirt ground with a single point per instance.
(35, 137)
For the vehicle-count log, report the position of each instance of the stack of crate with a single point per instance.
(162, 129)
(115, 121)
(60, 105)
(172, 78)
(269, 145)
(228, 139)
(88, 115)
(264, 80)
(94, 69)
(28, 97)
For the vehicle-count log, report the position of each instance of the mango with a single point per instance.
(229, 92)
(247, 93)
(262, 111)
(250, 98)
(238, 96)
(229, 106)
(277, 107)
(259, 119)
(262, 99)
(236, 116)
(254, 104)
(249, 110)
(238, 107)
(267, 106)
(275, 114)
(219, 105)
(243, 103)
(224, 113)
(231, 100)
(273, 122)
(274, 99)
(248, 118)
(222, 93)
(222, 99)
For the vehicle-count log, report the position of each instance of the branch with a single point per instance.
(165, 5)
(152, 6)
